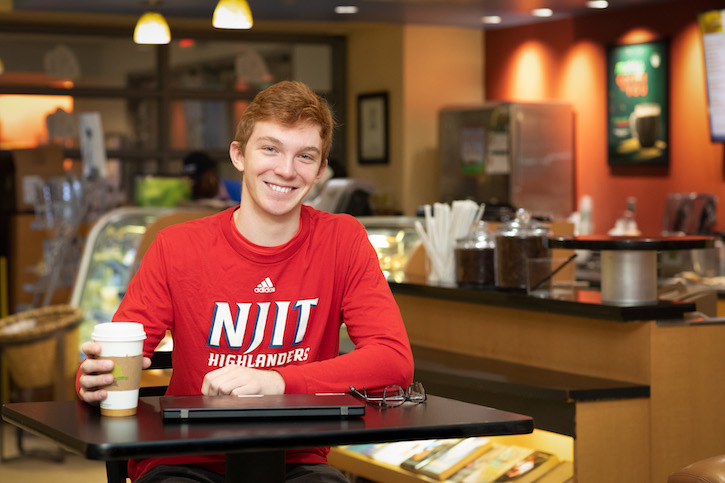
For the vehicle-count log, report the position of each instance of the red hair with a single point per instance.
(288, 103)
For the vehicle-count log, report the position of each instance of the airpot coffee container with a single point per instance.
(474, 257)
(517, 241)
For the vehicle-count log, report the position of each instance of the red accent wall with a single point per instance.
(565, 60)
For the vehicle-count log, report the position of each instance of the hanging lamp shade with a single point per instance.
(232, 14)
(152, 28)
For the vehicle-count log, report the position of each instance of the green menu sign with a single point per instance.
(637, 104)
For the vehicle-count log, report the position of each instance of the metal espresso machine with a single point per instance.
(509, 155)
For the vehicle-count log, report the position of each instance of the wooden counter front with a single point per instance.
(632, 438)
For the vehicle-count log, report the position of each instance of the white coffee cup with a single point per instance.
(121, 342)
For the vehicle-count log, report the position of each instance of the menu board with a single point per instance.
(713, 46)
(637, 104)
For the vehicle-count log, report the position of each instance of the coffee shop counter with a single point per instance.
(636, 388)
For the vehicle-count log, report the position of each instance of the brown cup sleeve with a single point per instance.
(126, 373)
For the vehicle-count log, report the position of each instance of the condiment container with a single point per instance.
(517, 241)
(475, 257)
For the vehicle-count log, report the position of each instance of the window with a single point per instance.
(157, 103)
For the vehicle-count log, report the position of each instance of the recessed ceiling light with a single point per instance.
(346, 9)
(597, 4)
(542, 12)
(491, 19)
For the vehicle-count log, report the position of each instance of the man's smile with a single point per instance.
(280, 189)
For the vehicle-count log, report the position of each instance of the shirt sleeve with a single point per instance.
(148, 298)
(382, 354)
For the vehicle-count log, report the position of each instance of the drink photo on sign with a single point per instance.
(637, 104)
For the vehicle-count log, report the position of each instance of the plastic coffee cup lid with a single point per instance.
(118, 331)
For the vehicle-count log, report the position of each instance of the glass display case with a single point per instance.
(394, 239)
(108, 255)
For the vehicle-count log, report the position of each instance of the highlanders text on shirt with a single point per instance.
(259, 361)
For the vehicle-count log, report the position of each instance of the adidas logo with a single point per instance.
(265, 286)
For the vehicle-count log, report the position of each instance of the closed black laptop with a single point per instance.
(186, 408)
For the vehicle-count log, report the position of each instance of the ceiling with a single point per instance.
(462, 13)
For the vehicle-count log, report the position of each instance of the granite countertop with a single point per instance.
(577, 302)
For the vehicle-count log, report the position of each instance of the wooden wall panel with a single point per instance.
(614, 350)
(687, 394)
(613, 442)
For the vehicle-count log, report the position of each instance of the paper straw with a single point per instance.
(444, 225)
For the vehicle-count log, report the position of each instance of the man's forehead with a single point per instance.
(306, 134)
(261, 127)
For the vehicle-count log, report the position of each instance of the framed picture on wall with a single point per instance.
(638, 104)
(372, 128)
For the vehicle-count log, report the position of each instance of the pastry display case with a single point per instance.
(107, 258)
(394, 239)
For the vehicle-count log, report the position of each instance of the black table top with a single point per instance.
(606, 242)
(81, 429)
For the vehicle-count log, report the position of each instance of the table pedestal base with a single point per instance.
(256, 466)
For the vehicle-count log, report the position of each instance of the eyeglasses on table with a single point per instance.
(394, 395)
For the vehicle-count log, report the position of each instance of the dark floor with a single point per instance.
(42, 469)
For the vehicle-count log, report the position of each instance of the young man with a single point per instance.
(255, 295)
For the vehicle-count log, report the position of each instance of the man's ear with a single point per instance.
(321, 171)
(237, 156)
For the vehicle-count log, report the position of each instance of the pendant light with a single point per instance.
(232, 14)
(152, 28)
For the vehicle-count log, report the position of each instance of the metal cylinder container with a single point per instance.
(629, 277)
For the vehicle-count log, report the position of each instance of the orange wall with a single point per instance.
(565, 60)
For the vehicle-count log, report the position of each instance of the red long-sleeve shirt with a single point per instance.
(228, 301)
